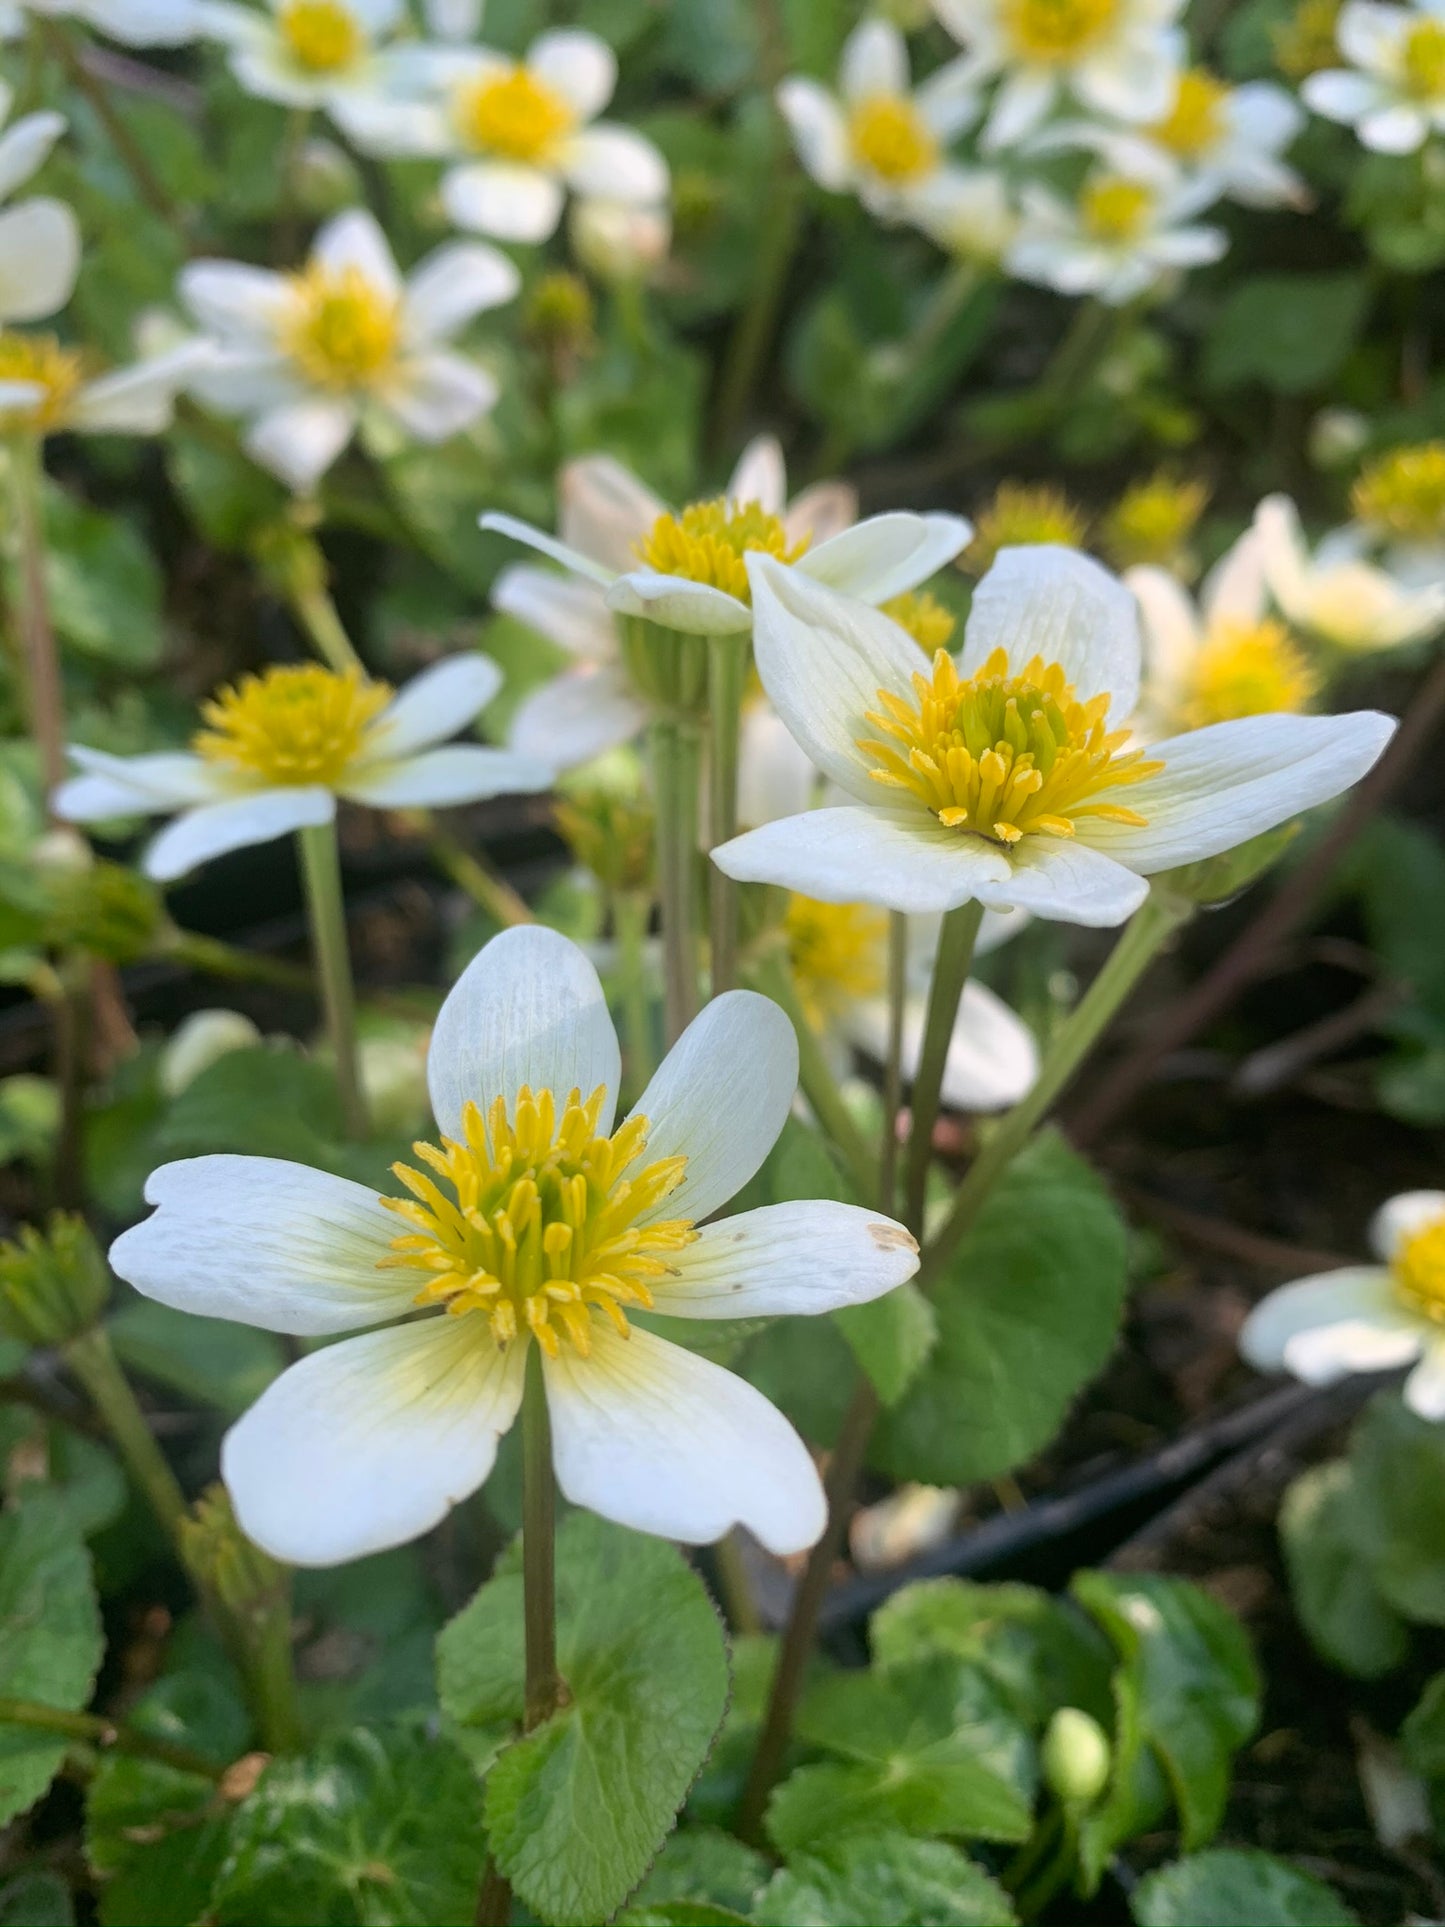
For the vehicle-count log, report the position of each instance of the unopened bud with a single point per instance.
(610, 834)
(223, 1561)
(53, 1283)
(1337, 437)
(558, 320)
(105, 909)
(325, 179)
(199, 1041)
(1075, 1757)
(617, 242)
(393, 1078)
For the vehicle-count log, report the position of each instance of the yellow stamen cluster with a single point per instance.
(541, 1228)
(835, 951)
(513, 115)
(1152, 521)
(1115, 210)
(924, 617)
(291, 725)
(323, 36)
(1196, 120)
(889, 137)
(1004, 754)
(1403, 493)
(707, 542)
(1422, 60)
(1246, 669)
(1021, 515)
(343, 331)
(1056, 30)
(1418, 1268)
(1305, 43)
(41, 359)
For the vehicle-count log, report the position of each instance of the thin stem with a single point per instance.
(108, 1736)
(893, 1063)
(321, 874)
(266, 1660)
(133, 158)
(92, 1358)
(480, 882)
(42, 658)
(631, 919)
(218, 959)
(773, 977)
(316, 611)
(676, 755)
(494, 1899)
(727, 674)
(539, 1586)
(70, 1025)
(950, 973)
(732, 1579)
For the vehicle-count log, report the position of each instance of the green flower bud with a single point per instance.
(610, 835)
(1218, 878)
(53, 1283)
(559, 320)
(1075, 1757)
(223, 1561)
(105, 909)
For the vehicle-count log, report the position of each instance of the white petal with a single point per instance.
(1235, 590)
(1324, 1327)
(666, 1442)
(24, 147)
(454, 284)
(604, 510)
(1222, 785)
(887, 554)
(442, 778)
(576, 65)
(1424, 1390)
(1022, 101)
(992, 1060)
(355, 240)
(266, 1243)
(1395, 130)
(436, 704)
(1400, 1218)
(371, 1442)
(1341, 96)
(819, 131)
(1064, 881)
(234, 823)
(149, 784)
(948, 100)
(39, 259)
(545, 544)
(775, 778)
(499, 198)
(720, 1098)
(139, 400)
(438, 394)
(1133, 81)
(300, 440)
(246, 380)
(578, 715)
(903, 861)
(875, 61)
(694, 608)
(572, 614)
(1171, 633)
(1058, 604)
(802, 1258)
(528, 1009)
(1368, 34)
(821, 512)
(761, 475)
(609, 163)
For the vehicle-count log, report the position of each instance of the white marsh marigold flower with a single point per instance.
(1393, 91)
(535, 1219)
(1008, 775)
(39, 238)
(279, 749)
(1336, 592)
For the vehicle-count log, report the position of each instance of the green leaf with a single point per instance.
(263, 1103)
(49, 1459)
(1397, 1466)
(1398, 870)
(703, 1862)
(367, 1635)
(577, 1809)
(376, 1828)
(36, 1900)
(229, 496)
(1236, 1889)
(50, 1638)
(929, 1748)
(1027, 1313)
(105, 588)
(1423, 1734)
(1332, 1584)
(1038, 1651)
(887, 1879)
(209, 1360)
(681, 1913)
(1290, 332)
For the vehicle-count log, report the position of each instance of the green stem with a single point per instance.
(539, 1587)
(316, 612)
(773, 977)
(321, 873)
(893, 1063)
(1144, 936)
(732, 1579)
(92, 1358)
(218, 959)
(107, 1736)
(950, 973)
(266, 1657)
(727, 674)
(631, 919)
(42, 658)
(676, 746)
(481, 883)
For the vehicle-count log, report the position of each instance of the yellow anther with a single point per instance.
(1246, 669)
(291, 726)
(1419, 1271)
(707, 542)
(323, 36)
(1056, 31)
(342, 331)
(513, 115)
(890, 137)
(1196, 121)
(41, 361)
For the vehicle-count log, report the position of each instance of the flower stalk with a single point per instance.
(108, 1736)
(727, 673)
(326, 909)
(91, 1356)
(893, 1063)
(815, 1078)
(544, 1690)
(631, 919)
(676, 747)
(42, 658)
(950, 973)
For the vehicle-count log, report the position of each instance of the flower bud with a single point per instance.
(103, 908)
(325, 179)
(393, 1077)
(53, 1283)
(558, 321)
(610, 834)
(198, 1041)
(615, 242)
(1216, 879)
(1337, 437)
(1075, 1757)
(223, 1561)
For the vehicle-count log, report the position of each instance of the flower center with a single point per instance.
(344, 330)
(1114, 209)
(323, 36)
(889, 136)
(1246, 669)
(1403, 493)
(1153, 519)
(1005, 756)
(291, 725)
(1422, 60)
(924, 617)
(1418, 1269)
(836, 954)
(42, 360)
(1056, 30)
(512, 114)
(1018, 517)
(707, 542)
(1196, 120)
(541, 1228)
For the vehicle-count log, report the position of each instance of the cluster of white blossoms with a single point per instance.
(1070, 142)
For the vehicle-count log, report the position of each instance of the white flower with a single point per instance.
(571, 1229)
(137, 23)
(1226, 658)
(453, 19)
(1128, 227)
(618, 241)
(524, 132)
(280, 748)
(303, 356)
(53, 395)
(1393, 91)
(39, 239)
(1116, 57)
(879, 137)
(606, 516)
(971, 212)
(1366, 1318)
(1336, 594)
(958, 797)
